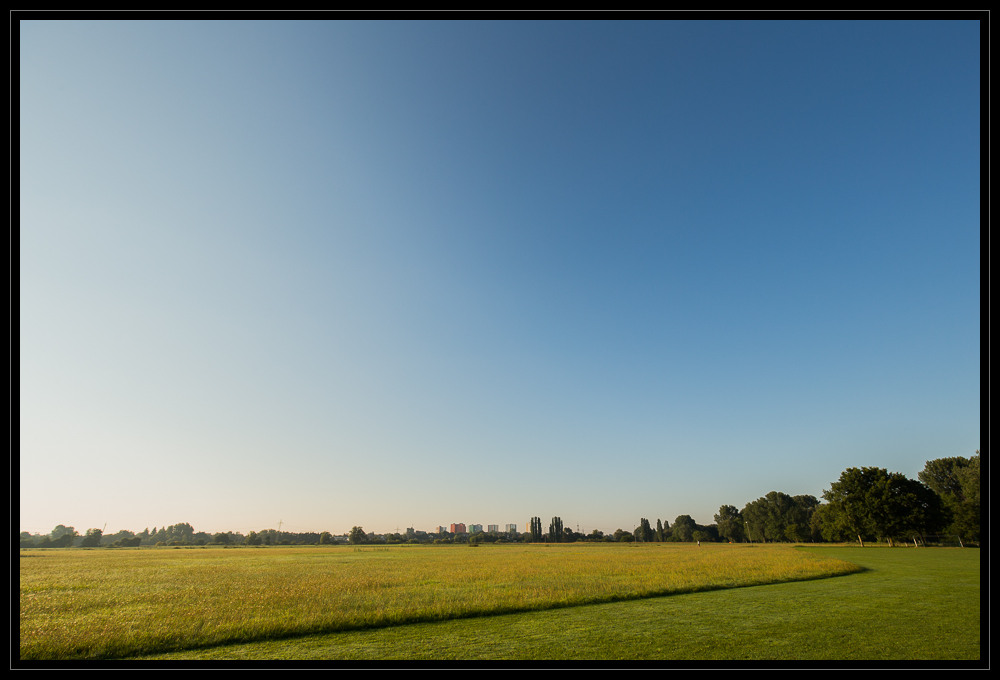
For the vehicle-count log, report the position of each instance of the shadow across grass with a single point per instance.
(497, 613)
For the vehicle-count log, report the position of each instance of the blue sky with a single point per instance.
(394, 274)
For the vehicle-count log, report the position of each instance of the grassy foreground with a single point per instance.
(90, 604)
(908, 605)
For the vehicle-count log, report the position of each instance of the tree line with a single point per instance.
(182, 534)
(864, 504)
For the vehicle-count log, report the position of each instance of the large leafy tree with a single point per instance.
(874, 503)
(62, 537)
(730, 523)
(827, 525)
(181, 533)
(918, 509)
(684, 528)
(92, 539)
(761, 518)
(777, 517)
(799, 517)
(957, 481)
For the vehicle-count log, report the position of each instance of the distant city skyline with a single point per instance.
(327, 274)
(454, 528)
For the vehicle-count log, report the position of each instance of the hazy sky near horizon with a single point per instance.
(394, 274)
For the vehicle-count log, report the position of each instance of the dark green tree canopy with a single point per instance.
(644, 532)
(778, 517)
(357, 535)
(536, 529)
(874, 503)
(957, 481)
(684, 528)
(556, 529)
(92, 539)
(729, 521)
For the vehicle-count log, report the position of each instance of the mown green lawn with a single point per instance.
(908, 605)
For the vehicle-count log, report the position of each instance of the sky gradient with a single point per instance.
(404, 274)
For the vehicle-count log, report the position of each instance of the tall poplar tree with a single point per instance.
(556, 529)
(535, 529)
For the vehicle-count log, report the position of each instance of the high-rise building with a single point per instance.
(458, 528)
(492, 528)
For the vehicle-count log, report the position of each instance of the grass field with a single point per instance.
(587, 602)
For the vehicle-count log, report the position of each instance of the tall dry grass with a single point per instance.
(116, 603)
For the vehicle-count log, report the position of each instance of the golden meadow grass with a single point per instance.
(77, 604)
